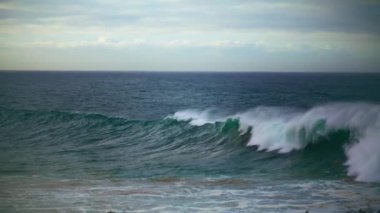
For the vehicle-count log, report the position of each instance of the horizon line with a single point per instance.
(182, 71)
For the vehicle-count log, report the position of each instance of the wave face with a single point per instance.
(328, 140)
(284, 130)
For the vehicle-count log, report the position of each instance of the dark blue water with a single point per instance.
(136, 95)
(229, 142)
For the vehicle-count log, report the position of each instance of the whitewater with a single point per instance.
(189, 142)
(285, 129)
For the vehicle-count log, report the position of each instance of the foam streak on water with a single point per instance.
(199, 194)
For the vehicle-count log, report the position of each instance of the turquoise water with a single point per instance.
(189, 142)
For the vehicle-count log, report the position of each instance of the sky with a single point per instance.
(190, 35)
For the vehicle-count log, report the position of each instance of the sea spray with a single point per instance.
(284, 129)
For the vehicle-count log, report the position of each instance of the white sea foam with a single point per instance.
(285, 129)
(198, 117)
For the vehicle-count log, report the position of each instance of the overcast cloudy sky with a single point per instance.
(190, 35)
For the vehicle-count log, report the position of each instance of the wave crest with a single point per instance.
(284, 129)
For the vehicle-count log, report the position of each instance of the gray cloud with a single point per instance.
(191, 34)
(350, 16)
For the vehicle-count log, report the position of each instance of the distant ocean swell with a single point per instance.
(347, 132)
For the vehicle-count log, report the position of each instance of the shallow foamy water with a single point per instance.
(174, 194)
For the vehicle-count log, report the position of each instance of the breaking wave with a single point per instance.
(204, 140)
(283, 130)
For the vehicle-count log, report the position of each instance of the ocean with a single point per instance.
(189, 142)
